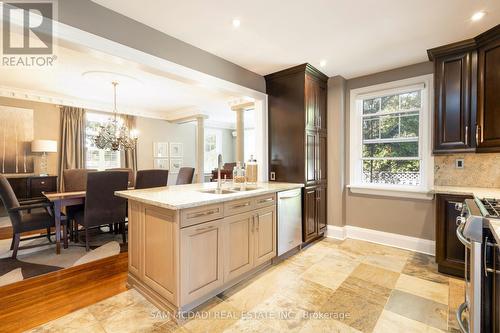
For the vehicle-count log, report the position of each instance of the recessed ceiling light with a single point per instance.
(236, 23)
(322, 63)
(477, 16)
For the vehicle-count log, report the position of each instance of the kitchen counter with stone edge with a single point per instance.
(478, 192)
(188, 196)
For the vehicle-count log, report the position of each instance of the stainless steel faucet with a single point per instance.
(219, 180)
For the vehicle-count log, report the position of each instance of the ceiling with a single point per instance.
(354, 37)
(139, 92)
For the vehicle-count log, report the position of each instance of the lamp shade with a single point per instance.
(44, 146)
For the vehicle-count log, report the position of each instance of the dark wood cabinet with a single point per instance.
(321, 203)
(298, 138)
(453, 121)
(466, 99)
(488, 103)
(450, 253)
(309, 225)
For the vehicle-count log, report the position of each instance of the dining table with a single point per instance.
(60, 200)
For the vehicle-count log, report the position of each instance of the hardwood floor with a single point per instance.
(6, 232)
(29, 303)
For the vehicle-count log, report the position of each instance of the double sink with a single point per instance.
(230, 190)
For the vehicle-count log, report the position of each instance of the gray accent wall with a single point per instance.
(98, 20)
(409, 217)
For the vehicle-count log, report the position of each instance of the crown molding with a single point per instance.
(35, 96)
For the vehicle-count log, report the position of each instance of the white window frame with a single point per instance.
(101, 117)
(423, 191)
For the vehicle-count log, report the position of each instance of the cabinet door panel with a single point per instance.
(311, 163)
(201, 257)
(453, 92)
(311, 102)
(159, 251)
(310, 227)
(321, 197)
(135, 254)
(489, 97)
(450, 253)
(322, 114)
(265, 235)
(321, 158)
(239, 245)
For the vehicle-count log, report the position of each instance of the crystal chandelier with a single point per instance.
(114, 135)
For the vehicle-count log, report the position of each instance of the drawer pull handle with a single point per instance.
(43, 183)
(266, 200)
(205, 228)
(205, 213)
(246, 204)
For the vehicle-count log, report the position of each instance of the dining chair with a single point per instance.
(75, 180)
(151, 178)
(102, 207)
(23, 220)
(131, 176)
(185, 176)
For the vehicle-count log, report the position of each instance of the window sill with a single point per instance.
(399, 192)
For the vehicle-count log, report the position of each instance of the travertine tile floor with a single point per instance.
(331, 286)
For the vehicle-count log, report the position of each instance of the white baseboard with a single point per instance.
(384, 238)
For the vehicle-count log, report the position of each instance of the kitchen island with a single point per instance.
(188, 243)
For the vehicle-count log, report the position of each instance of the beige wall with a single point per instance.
(46, 126)
(154, 130)
(408, 217)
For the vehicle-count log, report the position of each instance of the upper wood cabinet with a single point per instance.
(453, 121)
(297, 124)
(488, 102)
(467, 105)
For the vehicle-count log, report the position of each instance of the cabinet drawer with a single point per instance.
(265, 200)
(39, 185)
(238, 206)
(192, 216)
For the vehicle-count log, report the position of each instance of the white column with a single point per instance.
(240, 135)
(200, 151)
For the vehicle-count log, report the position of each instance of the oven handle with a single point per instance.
(460, 310)
(486, 268)
(461, 237)
(459, 313)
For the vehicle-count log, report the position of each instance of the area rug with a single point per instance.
(42, 260)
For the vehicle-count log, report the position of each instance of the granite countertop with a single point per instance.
(188, 196)
(479, 192)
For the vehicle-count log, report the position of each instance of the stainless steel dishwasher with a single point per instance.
(289, 220)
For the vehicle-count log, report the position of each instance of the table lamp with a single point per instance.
(44, 147)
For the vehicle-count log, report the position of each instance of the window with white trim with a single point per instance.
(390, 146)
(96, 158)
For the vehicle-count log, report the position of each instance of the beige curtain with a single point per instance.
(72, 141)
(128, 158)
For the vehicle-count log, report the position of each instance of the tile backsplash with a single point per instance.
(480, 170)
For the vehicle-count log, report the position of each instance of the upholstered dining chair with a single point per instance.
(102, 207)
(151, 178)
(131, 176)
(75, 180)
(185, 176)
(21, 220)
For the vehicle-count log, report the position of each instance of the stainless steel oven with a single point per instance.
(475, 315)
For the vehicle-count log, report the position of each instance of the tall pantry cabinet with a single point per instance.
(298, 139)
